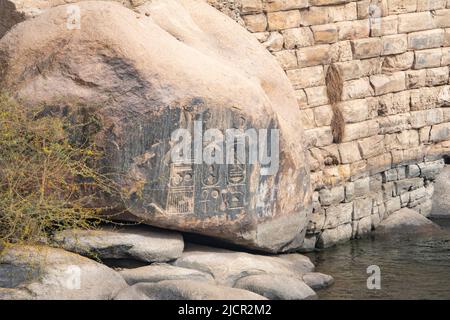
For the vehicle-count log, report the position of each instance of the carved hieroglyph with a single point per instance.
(146, 73)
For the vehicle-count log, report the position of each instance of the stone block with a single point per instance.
(383, 84)
(331, 196)
(297, 38)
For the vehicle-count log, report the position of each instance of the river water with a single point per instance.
(411, 267)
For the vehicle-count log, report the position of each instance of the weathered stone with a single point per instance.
(349, 152)
(410, 184)
(367, 48)
(362, 208)
(403, 140)
(184, 290)
(412, 171)
(362, 227)
(402, 6)
(251, 6)
(426, 39)
(437, 76)
(390, 175)
(139, 243)
(383, 84)
(280, 5)
(337, 215)
(312, 56)
(341, 51)
(415, 22)
(283, 19)
(144, 96)
(331, 196)
(424, 98)
(361, 187)
(441, 196)
(319, 137)
(297, 38)
(384, 26)
(398, 62)
(350, 70)
(354, 110)
(396, 103)
(372, 66)
(276, 287)
(375, 185)
(274, 42)
(351, 30)
(393, 205)
(394, 44)
(430, 170)
(360, 130)
(405, 221)
(441, 18)
(317, 96)
(255, 22)
(44, 273)
(380, 163)
(445, 57)
(424, 118)
(415, 79)
(430, 58)
(331, 237)
(356, 89)
(227, 266)
(394, 123)
(365, 8)
(287, 59)
(16, 11)
(327, 33)
(317, 280)
(307, 77)
(431, 5)
(159, 272)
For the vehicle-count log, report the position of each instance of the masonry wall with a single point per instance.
(394, 56)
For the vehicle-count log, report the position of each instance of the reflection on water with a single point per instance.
(412, 267)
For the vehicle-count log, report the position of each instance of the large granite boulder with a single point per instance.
(174, 65)
(39, 272)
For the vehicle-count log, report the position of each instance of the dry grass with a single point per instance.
(49, 172)
(335, 86)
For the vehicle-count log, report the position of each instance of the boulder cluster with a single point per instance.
(145, 263)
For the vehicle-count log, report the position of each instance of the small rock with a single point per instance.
(39, 272)
(184, 290)
(228, 266)
(317, 280)
(160, 272)
(277, 287)
(134, 242)
(405, 221)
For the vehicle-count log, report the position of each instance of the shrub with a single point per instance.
(50, 176)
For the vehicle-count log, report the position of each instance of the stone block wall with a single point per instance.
(394, 58)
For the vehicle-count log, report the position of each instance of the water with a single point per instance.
(412, 267)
